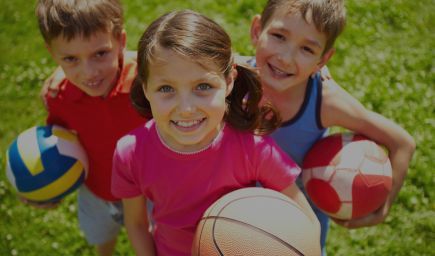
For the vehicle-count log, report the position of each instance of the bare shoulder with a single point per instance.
(338, 105)
(333, 95)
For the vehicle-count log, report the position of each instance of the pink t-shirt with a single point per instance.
(182, 186)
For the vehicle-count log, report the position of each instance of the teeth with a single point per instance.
(278, 71)
(92, 84)
(187, 123)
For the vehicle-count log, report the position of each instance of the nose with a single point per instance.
(186, 105)
(286, 55)
(89, 69)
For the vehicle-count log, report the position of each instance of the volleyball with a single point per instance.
(45, 163)
(347, 176)
(256, 221)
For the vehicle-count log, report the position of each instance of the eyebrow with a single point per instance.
(314, 43)
(96, 50)
(308, 40)
(208, 78)
(211, 78)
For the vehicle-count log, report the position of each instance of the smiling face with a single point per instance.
(187, 100)
(288, 50)
(91, 64)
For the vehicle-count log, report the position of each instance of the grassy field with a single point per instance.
(385, 58)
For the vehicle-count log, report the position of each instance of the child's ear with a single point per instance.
(255, 29)
(230, 80)
(47, 46)
(324, 59)
(50, 51)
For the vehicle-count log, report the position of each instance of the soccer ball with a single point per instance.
(347, 176)
(45, 163)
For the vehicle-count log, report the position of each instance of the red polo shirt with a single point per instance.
(99, 123)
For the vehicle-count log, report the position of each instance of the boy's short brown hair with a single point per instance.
(329, 16)
(78, 18)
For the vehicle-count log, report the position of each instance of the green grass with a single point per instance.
(385, 58)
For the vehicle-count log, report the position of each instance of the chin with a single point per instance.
(277, 87)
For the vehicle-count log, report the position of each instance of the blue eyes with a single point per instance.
(165, 89)
(203, 87)
(199, 88)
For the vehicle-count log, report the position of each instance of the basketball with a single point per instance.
(45, 163)
(256, 221)
(347, 176)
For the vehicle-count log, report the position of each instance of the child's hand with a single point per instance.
(372, 219)
(46, 206)
(50, 88)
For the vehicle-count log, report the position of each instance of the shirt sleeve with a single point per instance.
(275, 169)
(125, 183)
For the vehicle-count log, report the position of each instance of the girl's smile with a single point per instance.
(187, 99)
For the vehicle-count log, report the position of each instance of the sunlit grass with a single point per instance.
(385, 58)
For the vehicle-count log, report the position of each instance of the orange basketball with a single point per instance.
(256, 221)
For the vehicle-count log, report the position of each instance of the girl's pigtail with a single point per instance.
(138, 99)
(270, 120)
(244, 112)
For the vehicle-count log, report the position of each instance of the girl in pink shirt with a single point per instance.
(204, 139)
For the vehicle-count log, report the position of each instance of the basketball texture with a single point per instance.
(45, 163)
(347, 175)
(256, 221)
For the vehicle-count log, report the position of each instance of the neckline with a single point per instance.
(304, 104)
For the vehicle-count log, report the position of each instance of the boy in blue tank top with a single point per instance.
(293, 41)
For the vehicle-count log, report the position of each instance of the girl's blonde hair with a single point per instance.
(199, 38)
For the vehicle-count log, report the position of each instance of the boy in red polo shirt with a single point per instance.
(91, 97)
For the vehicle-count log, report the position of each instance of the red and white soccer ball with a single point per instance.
(347, 175)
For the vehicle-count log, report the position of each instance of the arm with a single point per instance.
(294, 193)
(340, 109)
(136, 223)
(50, 86)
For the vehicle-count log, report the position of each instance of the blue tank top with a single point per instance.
(297, 135)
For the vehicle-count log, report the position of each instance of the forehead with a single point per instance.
(289, 16)
(169, 62)
(80, 43)
(294, 23)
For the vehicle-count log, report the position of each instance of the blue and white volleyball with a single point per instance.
(45, 163)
